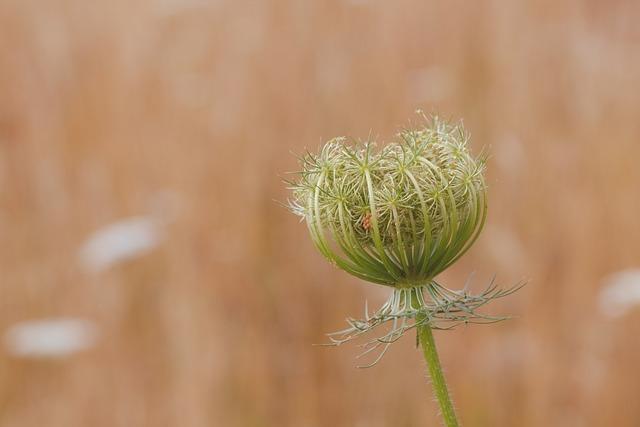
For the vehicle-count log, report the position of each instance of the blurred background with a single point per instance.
(149, 277)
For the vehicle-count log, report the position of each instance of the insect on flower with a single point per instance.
(366, 221)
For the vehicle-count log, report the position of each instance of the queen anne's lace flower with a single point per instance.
(398, 217)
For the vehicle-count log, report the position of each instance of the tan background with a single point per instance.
(189, 110)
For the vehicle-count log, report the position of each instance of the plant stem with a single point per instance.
(425, 337)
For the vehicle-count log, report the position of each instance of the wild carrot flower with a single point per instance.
(398, 216)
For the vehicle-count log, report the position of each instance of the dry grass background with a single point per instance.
(188, 110)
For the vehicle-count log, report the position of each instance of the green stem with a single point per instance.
(425, 336)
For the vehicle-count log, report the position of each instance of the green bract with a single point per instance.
(397, 216)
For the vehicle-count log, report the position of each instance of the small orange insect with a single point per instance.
(366, 221)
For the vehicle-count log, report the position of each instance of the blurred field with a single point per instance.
(183, 114)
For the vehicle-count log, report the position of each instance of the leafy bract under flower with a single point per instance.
(399, 215)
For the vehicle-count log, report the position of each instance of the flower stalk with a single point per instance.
(425, 338)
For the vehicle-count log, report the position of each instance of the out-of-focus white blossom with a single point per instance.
(50, 338)
(120, 241)
(620, 293)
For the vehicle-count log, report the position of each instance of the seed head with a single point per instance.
(397, 216)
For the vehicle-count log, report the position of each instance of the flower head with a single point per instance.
(398, 216)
